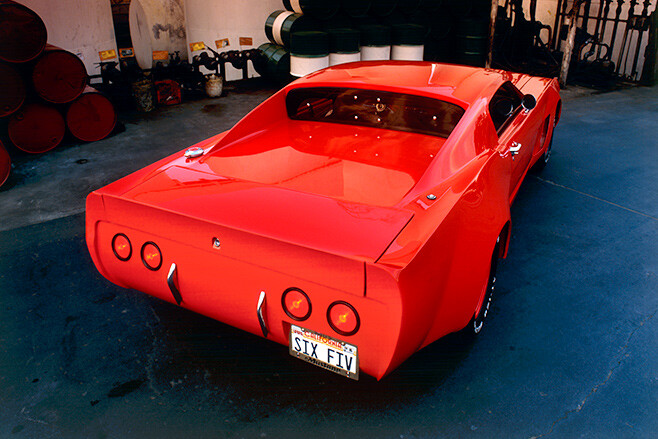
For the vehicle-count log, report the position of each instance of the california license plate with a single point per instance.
(326, 352)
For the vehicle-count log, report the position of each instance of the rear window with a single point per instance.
(376, 109)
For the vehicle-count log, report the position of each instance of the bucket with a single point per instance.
(309, 52)
(23, 35)
(91, 117)
(5, 164)
(214, 86)
(12, 90)
(59, 76)
(143, 91)
(36, 128)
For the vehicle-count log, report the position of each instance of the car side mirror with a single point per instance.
(529, 102)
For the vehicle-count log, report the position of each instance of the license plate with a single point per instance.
(326, 352)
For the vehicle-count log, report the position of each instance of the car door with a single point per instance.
(517, 130)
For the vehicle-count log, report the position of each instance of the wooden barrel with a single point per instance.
(22, 33)
(381, 8)
(91, 117)
(471, 41)
(36, 128)
(274, 63)
(309, 52)
(59, 76)
(281, 24)
(5, 164)
(12, 90)
(319, 9)
(356, 8)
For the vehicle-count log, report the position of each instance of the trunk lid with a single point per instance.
(338, 227)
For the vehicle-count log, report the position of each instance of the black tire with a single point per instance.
(477, 321)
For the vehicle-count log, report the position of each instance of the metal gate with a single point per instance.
(610, 32)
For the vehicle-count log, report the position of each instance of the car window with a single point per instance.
(377, 109)
(504, 105)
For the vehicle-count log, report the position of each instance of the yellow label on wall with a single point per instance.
(128, 52)
(222, 43)
(197, 46)
(246, 41)
(104, 55)
(160, 55)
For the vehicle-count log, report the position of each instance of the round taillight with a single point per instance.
(121, 247)
(151, 256)
(296, 304)
(343, 318)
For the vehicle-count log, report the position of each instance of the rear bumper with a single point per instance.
(225, 284)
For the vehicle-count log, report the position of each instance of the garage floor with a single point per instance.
(571, 349)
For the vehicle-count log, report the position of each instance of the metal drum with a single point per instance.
(5, 164)
(23, 35)
(309, 52)
(281, 24)
(381, 8)
(356, 8)
(12, 90)
(91, 117)
(343, 46)
(472, 38)
(36, 128)
(274, 63)
(375, 42)
(59, 76)
(320, 9)
(408, 42)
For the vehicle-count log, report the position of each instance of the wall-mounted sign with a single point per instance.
(104, 55)
(128, 52)
(160, 55)
(222, 43)
(197, 46)
(246, 41)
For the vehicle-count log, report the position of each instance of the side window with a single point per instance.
(504, 105)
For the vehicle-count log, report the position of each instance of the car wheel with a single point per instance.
(484, 307)
(543, 160)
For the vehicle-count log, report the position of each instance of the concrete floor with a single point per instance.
(571, 349)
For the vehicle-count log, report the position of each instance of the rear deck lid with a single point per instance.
(315, 221)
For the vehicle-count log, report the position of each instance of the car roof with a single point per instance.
(462, 85)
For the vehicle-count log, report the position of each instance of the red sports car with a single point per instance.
(355, 216)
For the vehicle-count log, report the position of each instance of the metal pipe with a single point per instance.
(640, 38)
(492, 32)
(601, 36)
(572, 18)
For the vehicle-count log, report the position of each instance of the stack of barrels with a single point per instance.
(43, 89)
(312, 34)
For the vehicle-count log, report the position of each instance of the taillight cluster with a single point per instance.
(150, 253)
(342, 317)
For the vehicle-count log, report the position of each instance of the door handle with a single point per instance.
(514, 149)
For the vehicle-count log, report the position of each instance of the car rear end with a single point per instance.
(279, 290)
